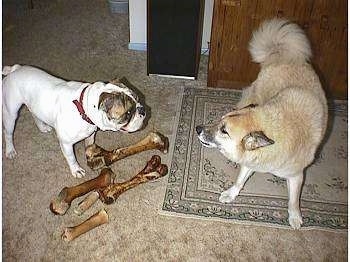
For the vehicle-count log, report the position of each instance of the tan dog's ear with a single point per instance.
(106, 101)
(255, 140)
(240, 111)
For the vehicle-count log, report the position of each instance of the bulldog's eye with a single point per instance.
(223, 130)
(128, 114)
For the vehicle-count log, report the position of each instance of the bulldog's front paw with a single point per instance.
(78, 172)
(11, 154)
(295, 219)
(229, 195)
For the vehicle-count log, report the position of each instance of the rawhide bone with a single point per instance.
(62, 202)
(98, 157)
(153, 170)
(86, 203)
(95, 220)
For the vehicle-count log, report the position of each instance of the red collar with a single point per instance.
(79, 105)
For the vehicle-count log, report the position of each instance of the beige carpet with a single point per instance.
(80, 39)
(198, 175)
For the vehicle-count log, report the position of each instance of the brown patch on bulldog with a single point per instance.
(118, 106)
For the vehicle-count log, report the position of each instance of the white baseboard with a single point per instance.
(143, 47)
(138, 46)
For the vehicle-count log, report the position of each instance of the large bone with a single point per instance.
(62, 202)
(95, 220)
(87, 203)
(153, 170)
(98, 157)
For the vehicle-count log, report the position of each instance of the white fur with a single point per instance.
(49, 99)
(278, 39)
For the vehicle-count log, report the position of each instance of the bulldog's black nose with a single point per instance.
(199, 129)
(141, 110)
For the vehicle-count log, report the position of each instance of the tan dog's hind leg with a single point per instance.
(294, 189)
(230, 194)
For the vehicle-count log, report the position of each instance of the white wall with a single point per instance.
(208, 15)
(138, 24)
(138, 21)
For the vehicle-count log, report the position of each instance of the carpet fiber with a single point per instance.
(198, 175)
(82, 40)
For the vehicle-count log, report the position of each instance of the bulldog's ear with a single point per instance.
(255, 140)
(106, 101)
(115, 81)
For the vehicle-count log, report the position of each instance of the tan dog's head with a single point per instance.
(236, 133)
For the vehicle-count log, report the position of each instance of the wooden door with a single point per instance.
(324, 21)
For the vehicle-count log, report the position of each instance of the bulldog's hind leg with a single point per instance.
(41, 125)
(68, 152)
(10, 113)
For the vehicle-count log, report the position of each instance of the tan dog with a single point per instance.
(282, 116)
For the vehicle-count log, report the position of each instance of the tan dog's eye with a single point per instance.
(223, 130)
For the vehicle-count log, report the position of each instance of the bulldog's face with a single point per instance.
(122, 111)
(233, 135)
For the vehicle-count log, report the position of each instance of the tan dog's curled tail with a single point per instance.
(279, 40)
(9, 69)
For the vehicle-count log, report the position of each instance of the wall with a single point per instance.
(138, 24)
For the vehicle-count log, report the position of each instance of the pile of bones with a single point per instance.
(104, 187)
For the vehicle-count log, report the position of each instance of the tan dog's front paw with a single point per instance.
(229, 195)
(226, 197)
(295, 220)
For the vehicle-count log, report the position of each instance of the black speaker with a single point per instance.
(174, 36)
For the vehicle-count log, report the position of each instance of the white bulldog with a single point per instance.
(76, 110)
